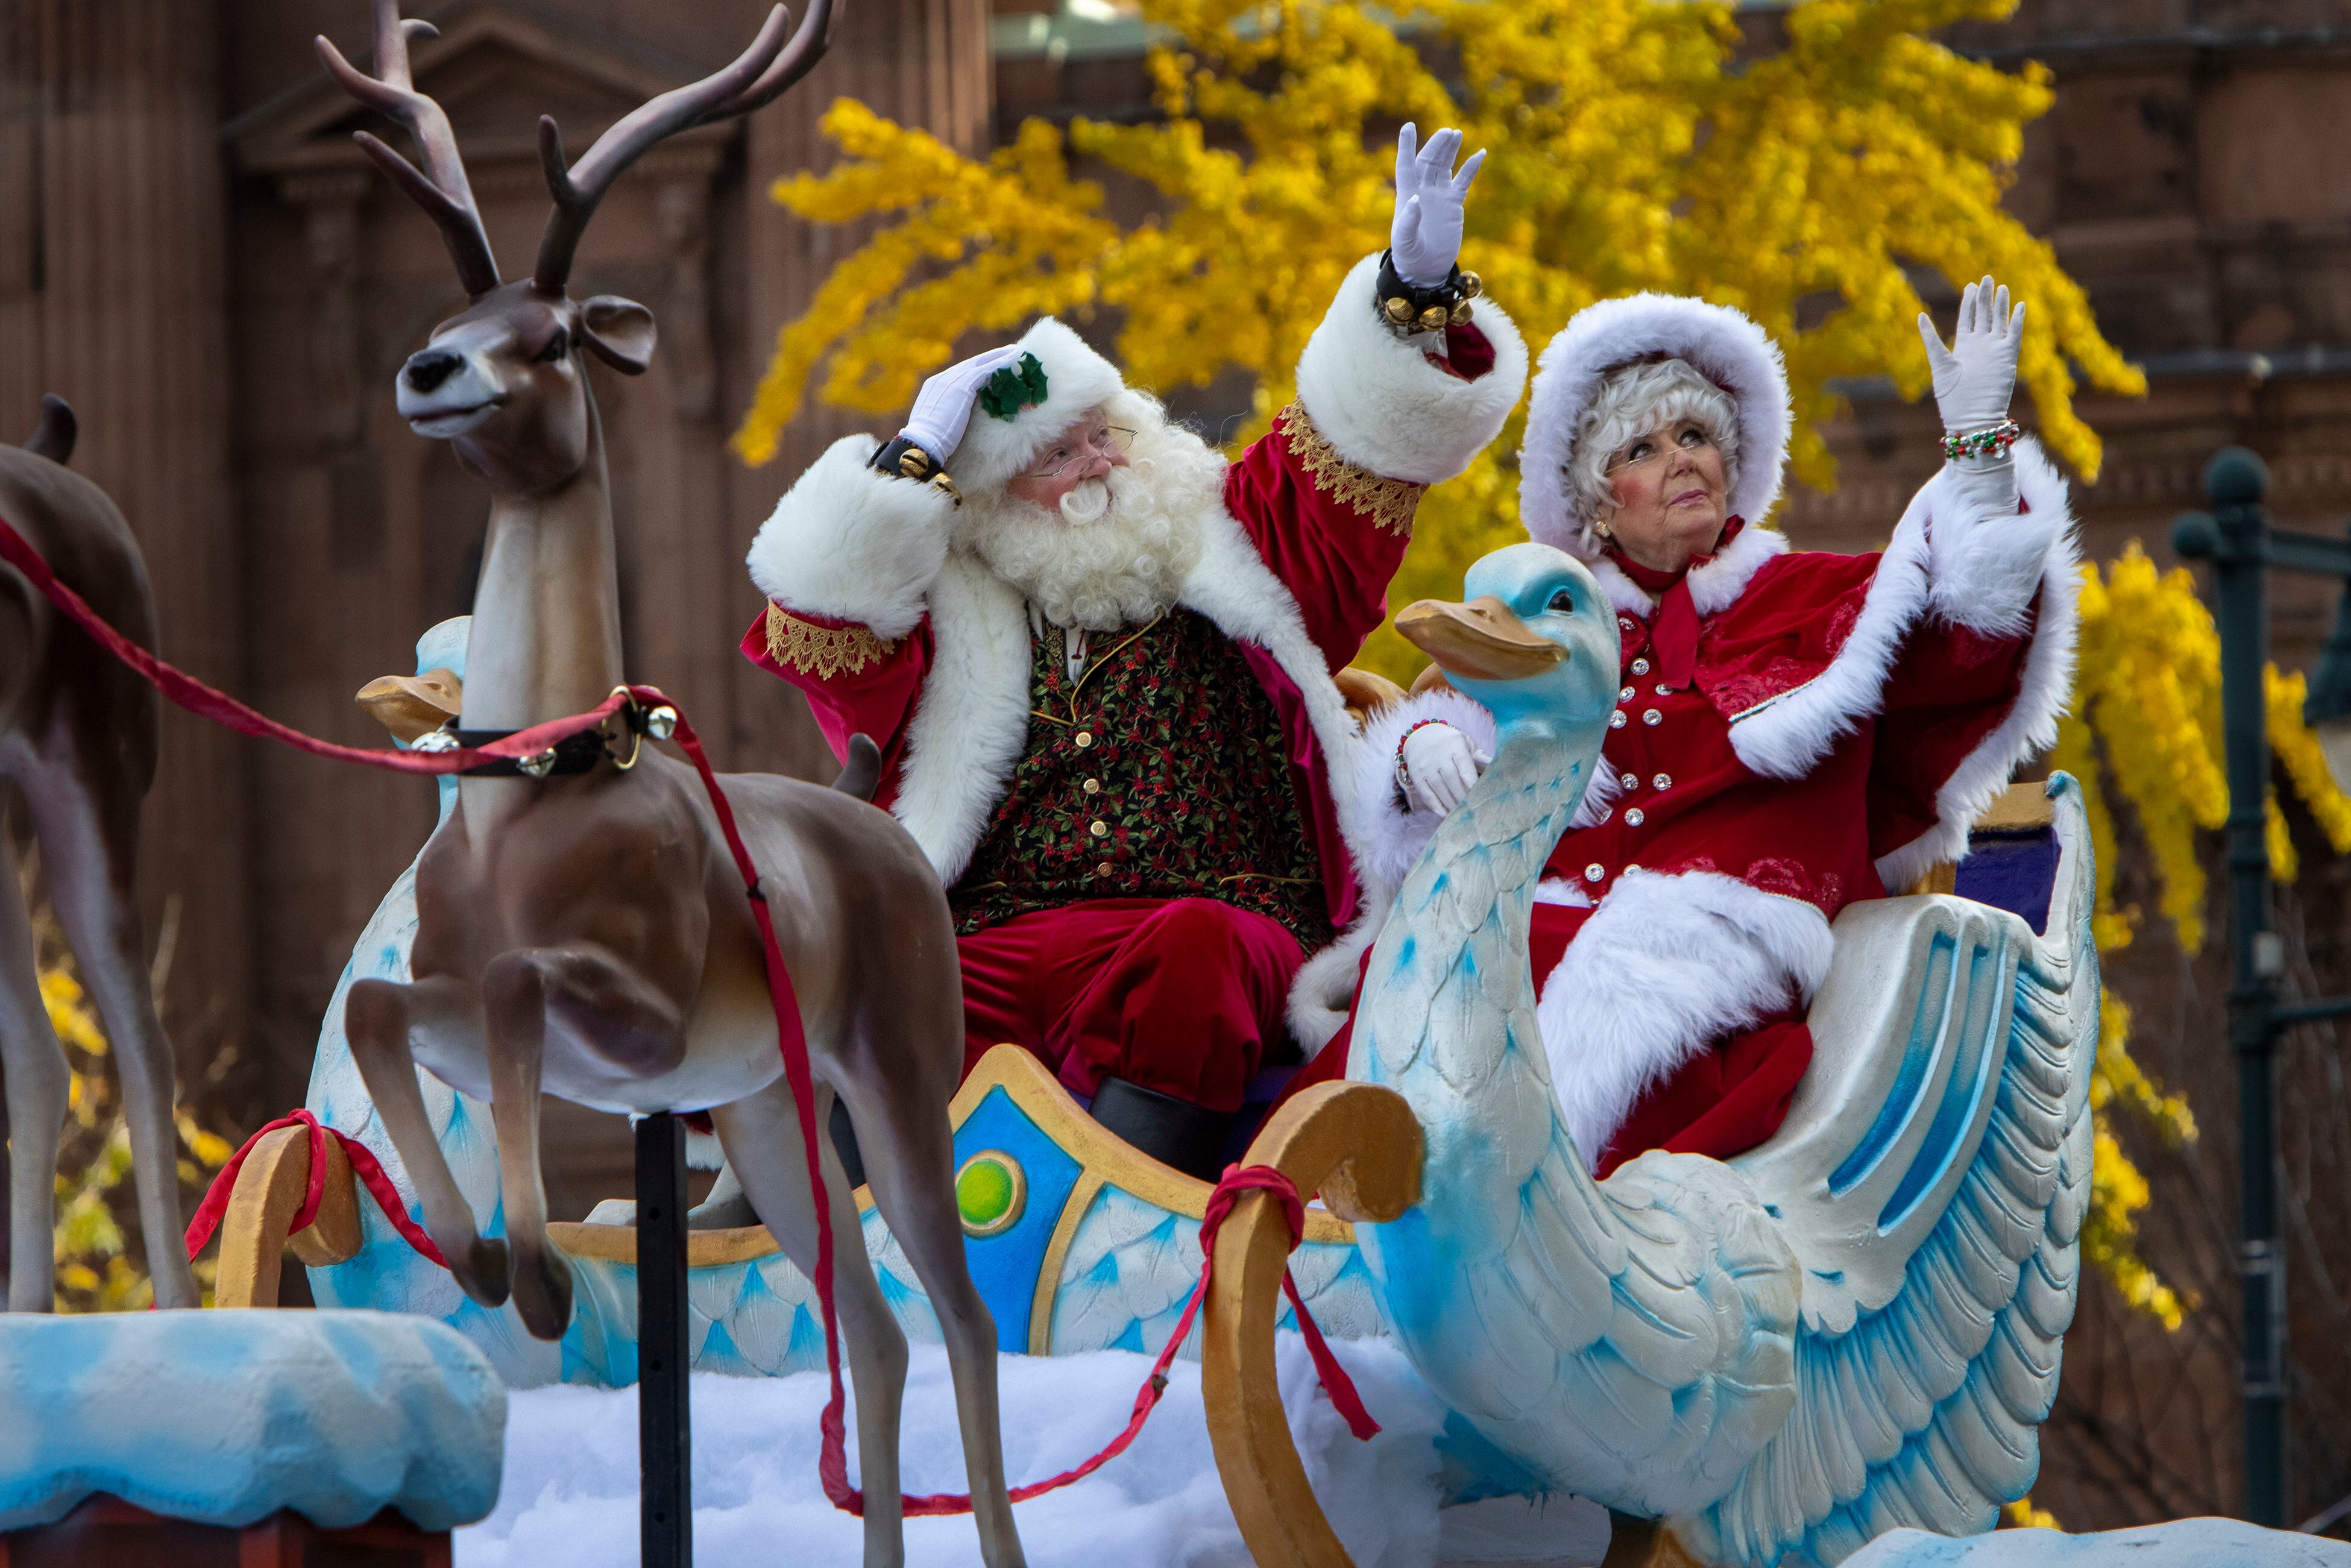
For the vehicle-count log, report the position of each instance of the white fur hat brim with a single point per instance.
(1718, 342)
(1076, 379)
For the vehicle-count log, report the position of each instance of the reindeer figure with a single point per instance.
(77, 734)
(586, 935)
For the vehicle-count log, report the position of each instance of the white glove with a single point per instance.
(942, 410)
(1976, 376)
(1426, 236)
(1440, 765)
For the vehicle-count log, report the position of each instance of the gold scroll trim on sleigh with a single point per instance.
(1389, 503)
(823, 651)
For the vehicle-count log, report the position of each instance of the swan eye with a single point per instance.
(1563, 601)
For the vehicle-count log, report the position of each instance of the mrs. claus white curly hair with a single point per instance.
(1631, 401)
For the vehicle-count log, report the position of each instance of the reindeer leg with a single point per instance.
(92, 844)
(378, 1017)
(762, 1138)
(36, 1081)
(910, 1168)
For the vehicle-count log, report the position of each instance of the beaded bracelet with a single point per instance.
(1403, 773)
(1425, 307)
(1976, 442)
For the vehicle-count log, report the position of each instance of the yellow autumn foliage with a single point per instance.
(95, 1270)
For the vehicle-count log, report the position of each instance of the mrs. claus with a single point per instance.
(1795, 729)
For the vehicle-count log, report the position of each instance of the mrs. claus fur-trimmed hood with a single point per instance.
(1718, 342)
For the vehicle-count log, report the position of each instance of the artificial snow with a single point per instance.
(2182, 1544)
(571, 1493)
(224, 1417)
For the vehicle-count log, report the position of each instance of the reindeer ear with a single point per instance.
(619, 331)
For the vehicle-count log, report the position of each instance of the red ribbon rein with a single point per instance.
(832, 1464)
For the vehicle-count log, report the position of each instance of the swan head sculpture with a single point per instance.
(1534, 639)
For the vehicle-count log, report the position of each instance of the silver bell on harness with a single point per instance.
(538, 764)
(661, 722)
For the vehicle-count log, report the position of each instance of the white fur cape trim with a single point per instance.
(1666, 966)
(1393, 833)
(853, 544)
(1715, 585)
(1719, 342)
(2031, 726)
(1383, 407)
(1076, 379)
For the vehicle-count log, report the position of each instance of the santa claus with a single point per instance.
(1795, 730)
(1097, 661)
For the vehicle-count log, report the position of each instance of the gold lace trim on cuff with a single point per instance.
(1389, 503)
(823, 651)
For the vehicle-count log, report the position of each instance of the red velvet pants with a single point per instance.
(1720, 1102)
(1182, 995)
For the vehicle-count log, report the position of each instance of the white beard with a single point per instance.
(1117, 551)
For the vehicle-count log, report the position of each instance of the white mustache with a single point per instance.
(1087, 502)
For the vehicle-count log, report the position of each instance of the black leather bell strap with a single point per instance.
(905, 460)
(573, 754)
(1430, 308)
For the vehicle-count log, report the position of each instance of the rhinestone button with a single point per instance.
(1664, 691)
(1092, 786)
(1594, 871)
(1626, 695)
(1651, 716)
(1085, 738)
(1663, 781)
(1617, 719)
(1640, 666)
(1099, 829)
(1629, 779)
(1634, 817)
(1623, 624)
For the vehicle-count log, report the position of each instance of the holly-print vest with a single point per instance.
(1161, 774)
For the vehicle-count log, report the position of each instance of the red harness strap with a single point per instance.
(832, 1464)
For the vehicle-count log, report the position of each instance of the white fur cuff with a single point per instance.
(1984, 572)
(851, 543)
(1666, 966)
(1383, 407)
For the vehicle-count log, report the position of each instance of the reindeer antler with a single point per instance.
(440, 188)
(759, 76)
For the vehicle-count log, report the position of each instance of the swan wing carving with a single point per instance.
(1931, 1180)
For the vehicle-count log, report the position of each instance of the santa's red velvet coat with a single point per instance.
(894, 633)
(1846, 718)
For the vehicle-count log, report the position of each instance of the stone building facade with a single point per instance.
(193, 252)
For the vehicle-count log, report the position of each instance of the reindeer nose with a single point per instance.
(429, 368)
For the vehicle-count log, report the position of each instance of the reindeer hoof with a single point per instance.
(481, 1270)
(542, 1292)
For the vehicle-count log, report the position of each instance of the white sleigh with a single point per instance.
(1852, 1328)
(1928, 1184)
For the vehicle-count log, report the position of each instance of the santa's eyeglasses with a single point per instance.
(1106, 441)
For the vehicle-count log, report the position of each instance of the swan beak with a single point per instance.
(1482, 640)
(411, 706)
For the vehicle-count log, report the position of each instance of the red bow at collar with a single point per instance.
(1673, 634)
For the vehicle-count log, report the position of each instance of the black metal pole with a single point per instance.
(664, 1427)
(2235, 539)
